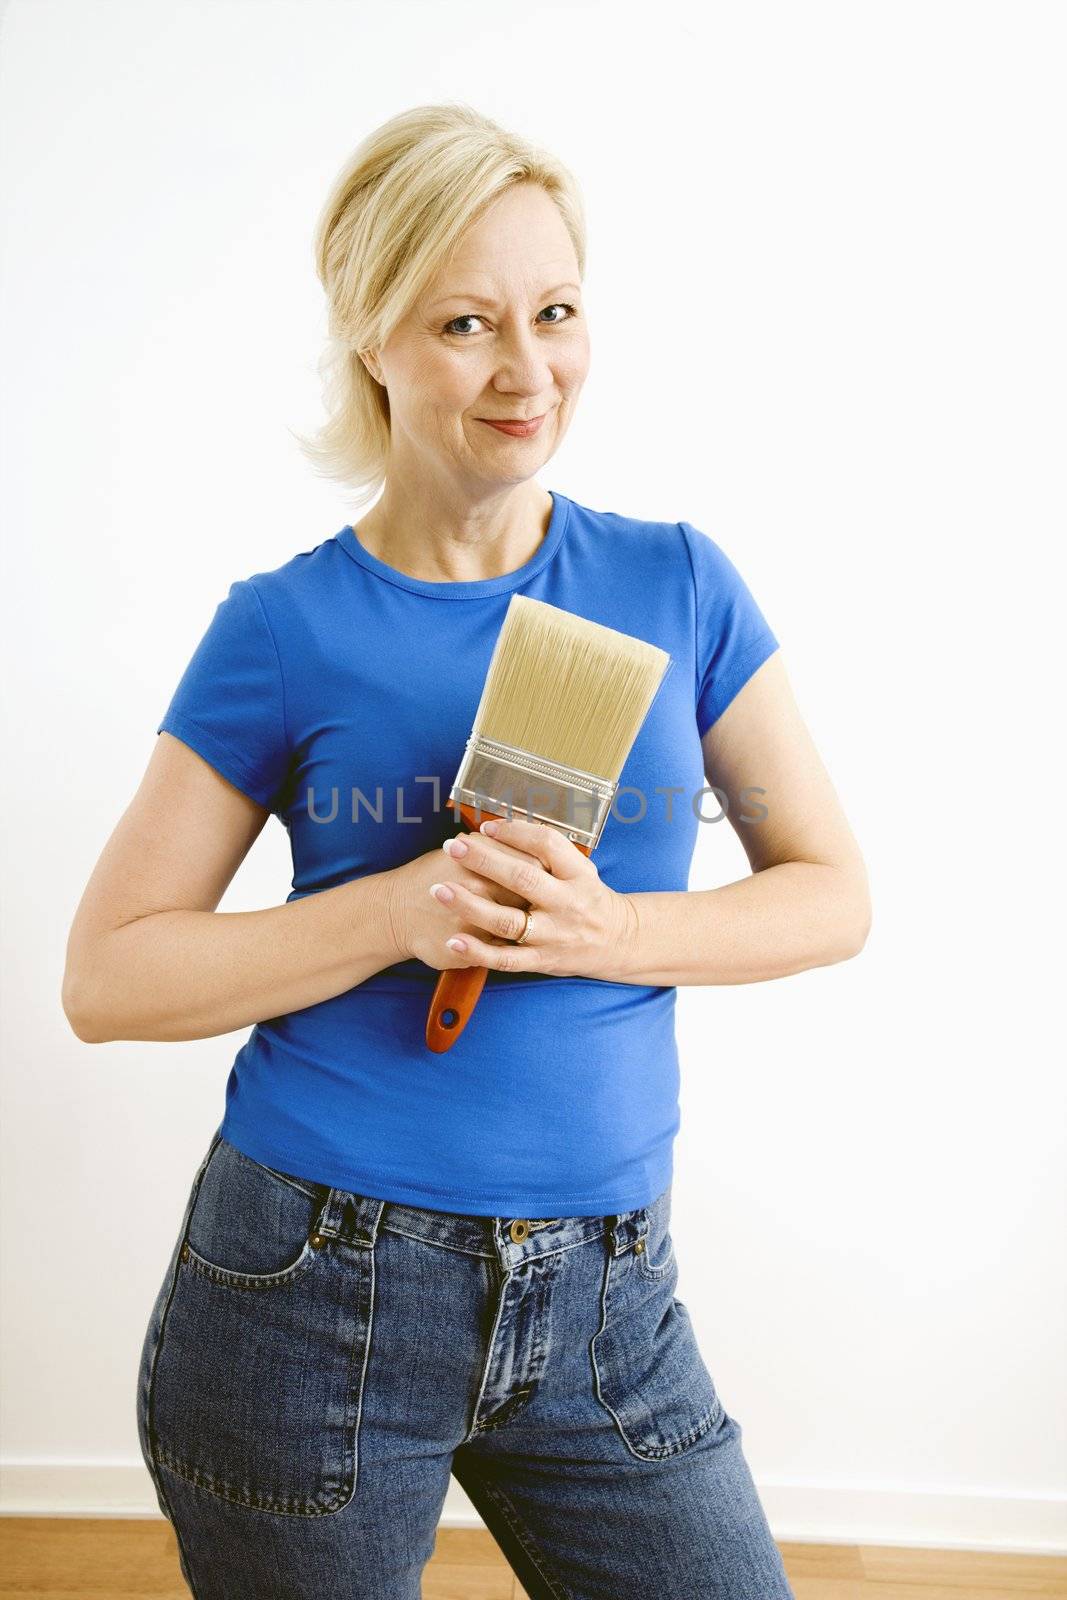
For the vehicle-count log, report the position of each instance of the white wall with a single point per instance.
(824, 243)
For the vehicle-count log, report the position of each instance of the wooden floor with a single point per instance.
(54, 1558)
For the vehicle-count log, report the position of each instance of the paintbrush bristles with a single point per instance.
(567, 689)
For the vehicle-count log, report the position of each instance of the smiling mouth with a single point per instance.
(521, 429)
(515, 421)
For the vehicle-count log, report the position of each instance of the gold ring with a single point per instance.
(525, 934)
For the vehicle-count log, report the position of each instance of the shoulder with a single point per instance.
(647, 548)
(631, 536)
(300, 582)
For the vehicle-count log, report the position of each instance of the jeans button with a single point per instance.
(519, 1229)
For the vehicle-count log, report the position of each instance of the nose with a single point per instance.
(523, 367)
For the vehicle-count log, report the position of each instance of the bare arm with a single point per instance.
(806, 903)
(149, 957)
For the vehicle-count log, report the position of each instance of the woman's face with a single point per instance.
(501, 334)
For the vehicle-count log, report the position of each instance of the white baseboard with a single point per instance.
(121, 1489)
(798, 1513)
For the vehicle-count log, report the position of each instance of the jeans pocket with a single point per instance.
(647, 1366)
(258, 1376)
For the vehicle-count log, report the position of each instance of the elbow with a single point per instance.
(845, 913)
(857, 940)
(856, 924)
(79, 1012)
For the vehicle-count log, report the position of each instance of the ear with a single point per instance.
(370, 361)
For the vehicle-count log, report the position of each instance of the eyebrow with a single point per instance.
(481, 300)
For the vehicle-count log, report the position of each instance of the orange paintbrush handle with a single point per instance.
(458, 988)
(456, 993)
(452, 1006)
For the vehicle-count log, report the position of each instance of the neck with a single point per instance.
(438, 540)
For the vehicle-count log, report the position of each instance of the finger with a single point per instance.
(501, 957)
(489, 890)
(558, 855)
(506, 922)
(516, 870)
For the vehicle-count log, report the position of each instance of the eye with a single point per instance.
(561, 306)
(472, 316)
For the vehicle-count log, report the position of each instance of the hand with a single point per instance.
(418, 922)
(579, 924)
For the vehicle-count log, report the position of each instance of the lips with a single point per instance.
(517, 429)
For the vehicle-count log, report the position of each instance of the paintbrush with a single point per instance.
(563, 701)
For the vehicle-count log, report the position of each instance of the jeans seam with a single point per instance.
(524, 1537)
(154, 1461)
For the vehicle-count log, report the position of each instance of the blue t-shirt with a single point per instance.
(336, 687)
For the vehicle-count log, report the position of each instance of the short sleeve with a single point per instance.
(733, 637)
(229, 705)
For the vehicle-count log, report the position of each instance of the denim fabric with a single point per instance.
(317, 1363)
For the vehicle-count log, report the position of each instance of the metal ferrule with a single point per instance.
(499, 779)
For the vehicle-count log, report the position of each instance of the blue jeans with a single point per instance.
(317, 1363)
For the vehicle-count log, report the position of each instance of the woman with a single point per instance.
(395, 1265)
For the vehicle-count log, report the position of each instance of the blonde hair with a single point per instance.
(394, 215)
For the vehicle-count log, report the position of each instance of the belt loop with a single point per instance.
(626, 1228)
(352, 1218)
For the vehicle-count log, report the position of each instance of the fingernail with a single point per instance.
(490, 828)
(456, 944)
(456, 847)
(441, 891)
